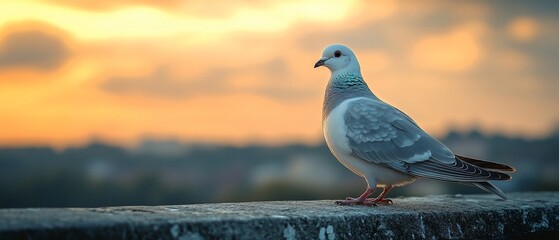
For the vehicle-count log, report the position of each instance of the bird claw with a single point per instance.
(363, 200)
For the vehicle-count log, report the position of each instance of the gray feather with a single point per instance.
(382, 134)
(487, 164)
(490, 188)
(341, 88)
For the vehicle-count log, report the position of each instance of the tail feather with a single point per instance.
(487, 164)
(490, 188)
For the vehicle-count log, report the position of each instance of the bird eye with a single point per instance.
(337, 54)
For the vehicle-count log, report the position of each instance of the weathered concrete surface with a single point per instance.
(524, 215)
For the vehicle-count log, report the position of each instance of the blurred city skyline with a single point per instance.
(169, 172)
(240, 72)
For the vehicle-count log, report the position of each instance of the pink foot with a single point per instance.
(363, 200)
(360, 200)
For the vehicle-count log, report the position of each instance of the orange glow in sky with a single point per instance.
(240, 72)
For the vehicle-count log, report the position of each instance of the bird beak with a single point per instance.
(320, 62)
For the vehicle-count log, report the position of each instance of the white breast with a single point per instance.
(335, 130)
(335, 134)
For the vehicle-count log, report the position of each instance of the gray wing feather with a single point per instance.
(382, 134)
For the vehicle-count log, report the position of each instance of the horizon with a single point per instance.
(146, 140)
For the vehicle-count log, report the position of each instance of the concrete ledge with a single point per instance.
(525, 215)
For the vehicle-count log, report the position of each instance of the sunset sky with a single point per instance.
(240, 72)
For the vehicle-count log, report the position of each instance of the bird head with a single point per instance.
(338, 58)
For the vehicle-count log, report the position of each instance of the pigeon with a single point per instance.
(382, 144)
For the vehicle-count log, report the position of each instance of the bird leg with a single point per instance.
(368, 201)
(380, 198)
(360, 200)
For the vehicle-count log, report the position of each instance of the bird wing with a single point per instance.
(382, 134)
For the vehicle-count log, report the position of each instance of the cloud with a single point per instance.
(511, 8)
(104, 5)
(162, 83)
(456, 50)
(209, 9)
(513, 60)
(441, 36)
(393, 32)
(269, 79)
(34, 49)
(523, 29)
